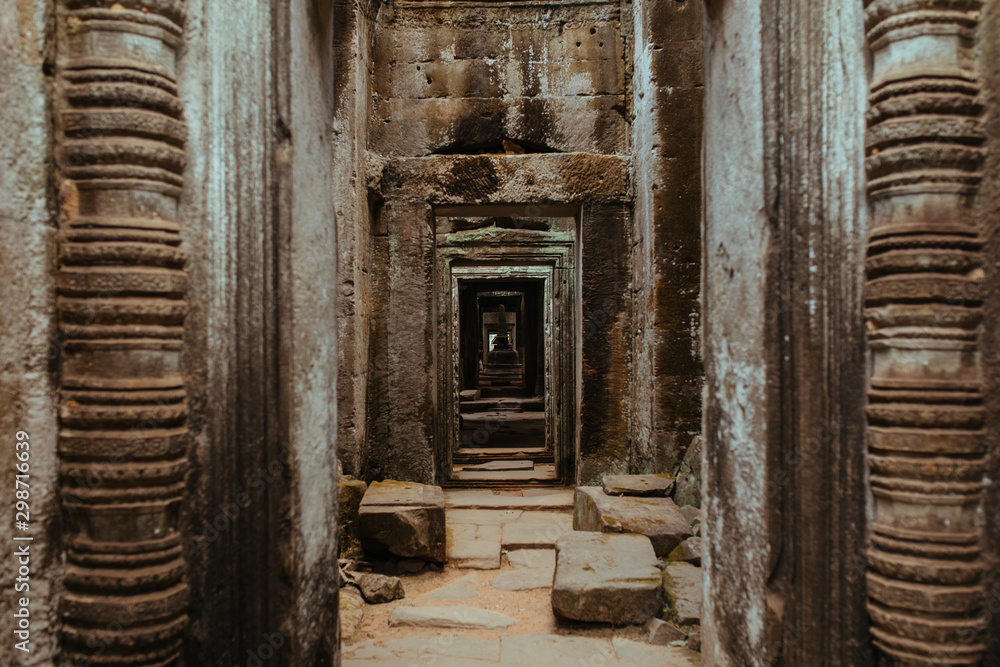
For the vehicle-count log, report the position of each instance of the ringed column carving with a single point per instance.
(924, 271)
(121, 284)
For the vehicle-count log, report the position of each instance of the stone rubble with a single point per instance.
(379, 588)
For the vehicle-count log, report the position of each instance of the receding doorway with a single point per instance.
(502, 382)
(506, 346)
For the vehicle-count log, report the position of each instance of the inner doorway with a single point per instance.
(507, 349)
(502, 426)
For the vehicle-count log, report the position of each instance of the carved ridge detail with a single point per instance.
(923, 299)
(121, 288)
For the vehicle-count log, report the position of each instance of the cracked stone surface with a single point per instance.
(522, 580)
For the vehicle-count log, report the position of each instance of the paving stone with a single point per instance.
(474, 546)
(367, 651)
(656, 518)
(556, 651)
(683, 585)
(482, 517)
(450, 647)
(532, 558)
(449, 617)
(661, 632)
(486, 499)
(638, 654)
(638, 485)
(379, 588)
(352, 610)
(456, 590)
(689, 551)
(523, 580)
(404, 519)
(501, 465)
(538, 530)
(606, 578)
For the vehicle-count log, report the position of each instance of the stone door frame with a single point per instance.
(524, 255)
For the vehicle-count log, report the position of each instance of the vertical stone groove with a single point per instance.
(121, 284)
(923, 303)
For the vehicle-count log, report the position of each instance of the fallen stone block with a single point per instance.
(638, 485)
(350, 492)
(656, 518)
(378, 588)
(404, 519)
(683, 586)
(689, 551)
(469, 395)
(661, 632)
(449, 617)
(606, 578)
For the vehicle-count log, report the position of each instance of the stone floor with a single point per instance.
(491, 604)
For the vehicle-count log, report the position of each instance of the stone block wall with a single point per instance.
(453, 79)
(666, 255)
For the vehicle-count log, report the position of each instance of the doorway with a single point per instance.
(506, 346)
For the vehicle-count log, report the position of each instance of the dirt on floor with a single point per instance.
(531, 608)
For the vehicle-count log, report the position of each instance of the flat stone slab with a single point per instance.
(606, 578)
(456, 590)
(556, 651)
(486, 499)
(656, 518)
(523, 580)
(536, 530)
(440, 651)
(684, 588)
(449, 647)
(404, 519)
(532, 559)
(638, 485)
(449, 617)
(643, 655)
(474, 546)
(501, 465)
(482, 517)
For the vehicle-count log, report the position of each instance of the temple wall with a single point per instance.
(29, 344)
(668, 95)
(785, 368)
(450, 77)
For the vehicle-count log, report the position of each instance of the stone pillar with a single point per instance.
(923, 302)
(123, 440)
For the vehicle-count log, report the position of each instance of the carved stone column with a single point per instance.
(923, 307)
(121, 284)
